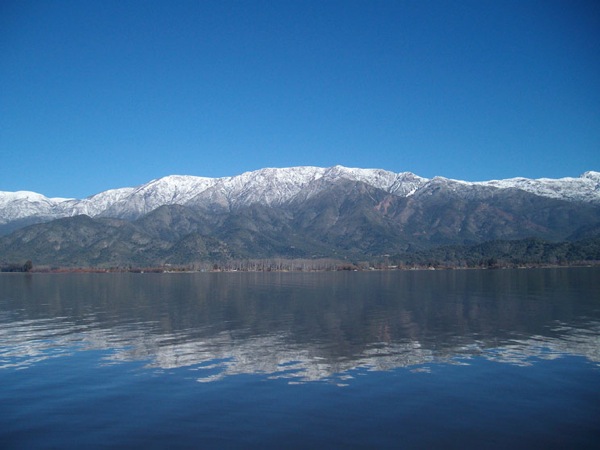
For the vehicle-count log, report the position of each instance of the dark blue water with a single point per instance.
(454, 359)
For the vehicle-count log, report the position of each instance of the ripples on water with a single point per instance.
(304, 326)
(297, 328)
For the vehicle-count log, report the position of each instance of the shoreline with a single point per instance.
(164, 270)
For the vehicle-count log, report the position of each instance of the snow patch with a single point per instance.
(268, 186)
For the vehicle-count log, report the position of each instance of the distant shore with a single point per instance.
(341, 268)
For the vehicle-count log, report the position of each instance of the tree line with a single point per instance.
(16, 267)
(492, 254)
(524, 252)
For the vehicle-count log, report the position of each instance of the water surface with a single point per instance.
(463, 359)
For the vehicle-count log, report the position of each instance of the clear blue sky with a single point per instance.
(103, 94)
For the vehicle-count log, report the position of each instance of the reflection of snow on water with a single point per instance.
(581, 342)
(29, 342)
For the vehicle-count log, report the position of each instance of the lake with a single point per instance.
(398, 359)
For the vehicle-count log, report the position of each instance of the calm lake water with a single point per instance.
(427, 359)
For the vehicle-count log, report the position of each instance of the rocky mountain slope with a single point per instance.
(301, 212)
(269, 187)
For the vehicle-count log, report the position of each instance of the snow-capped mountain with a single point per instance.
(20, 204)
(298, 212)
(270, 187)
(586, 188)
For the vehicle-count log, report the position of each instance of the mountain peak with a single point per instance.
(591, 175)
(268, 186)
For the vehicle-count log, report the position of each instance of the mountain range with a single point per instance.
(297, 212)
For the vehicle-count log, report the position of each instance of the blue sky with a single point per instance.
(103, 94)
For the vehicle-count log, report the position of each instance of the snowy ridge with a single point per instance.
(585, 188)
(170, 190)
(266, 186)
(94, 205)
(269, 186)
(402, 184)
(24, 204)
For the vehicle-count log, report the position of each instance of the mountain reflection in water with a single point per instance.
(301, 326)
